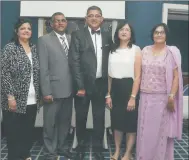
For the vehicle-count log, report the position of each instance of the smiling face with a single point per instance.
(159, 35)
(24, 31)
(94, 19)
(59, 23)
(124, 33)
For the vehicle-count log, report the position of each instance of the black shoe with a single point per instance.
(79, 156)
(54, 158)
(98, 156)
(66, 154)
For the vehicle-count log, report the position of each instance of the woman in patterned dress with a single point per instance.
(20, 90)
(160, 105)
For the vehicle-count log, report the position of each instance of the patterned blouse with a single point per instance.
(16, 75)
(153, 72)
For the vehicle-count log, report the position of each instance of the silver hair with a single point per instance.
(55, 14)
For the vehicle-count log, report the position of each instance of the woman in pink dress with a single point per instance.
(160, 106)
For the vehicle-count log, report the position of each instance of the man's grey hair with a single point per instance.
(55, 14)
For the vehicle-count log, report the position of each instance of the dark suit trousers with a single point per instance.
(18, 130)
(97, 98)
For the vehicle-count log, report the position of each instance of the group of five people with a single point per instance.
(143, 89)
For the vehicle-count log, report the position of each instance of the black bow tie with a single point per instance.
(97, 32)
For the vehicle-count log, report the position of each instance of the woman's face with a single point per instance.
(124, 33)
(24, 31)
(159, 35)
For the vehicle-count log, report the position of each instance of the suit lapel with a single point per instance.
(89, 39)
(56, 42)
(103, 44)
(103, 35)
(68, 39)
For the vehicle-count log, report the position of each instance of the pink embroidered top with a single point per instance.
(153, 72)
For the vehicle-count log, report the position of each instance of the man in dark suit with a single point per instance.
(56, 87)
(88, 58)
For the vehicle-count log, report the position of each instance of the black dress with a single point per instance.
(121, 119)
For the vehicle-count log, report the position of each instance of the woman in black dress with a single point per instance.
(124, 80)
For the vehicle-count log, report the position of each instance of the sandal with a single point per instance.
(112, 158)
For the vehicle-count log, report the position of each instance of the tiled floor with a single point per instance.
(181, 148)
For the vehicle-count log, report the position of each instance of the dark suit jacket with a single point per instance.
(83, 61)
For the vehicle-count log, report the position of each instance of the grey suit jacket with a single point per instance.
(55, 76)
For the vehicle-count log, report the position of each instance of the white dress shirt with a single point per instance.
(31, 94)
(98, 51)
(64, 35)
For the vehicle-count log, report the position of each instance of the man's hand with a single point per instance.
(81, 93)
(48, 99)
(109, 102)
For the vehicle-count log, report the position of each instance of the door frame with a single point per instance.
(177, 9)
(173, 8)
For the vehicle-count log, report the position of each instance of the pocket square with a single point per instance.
(106, 45)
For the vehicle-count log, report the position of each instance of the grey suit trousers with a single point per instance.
(57, 122)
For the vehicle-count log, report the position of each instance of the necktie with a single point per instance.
(64, 45)
(97, 32)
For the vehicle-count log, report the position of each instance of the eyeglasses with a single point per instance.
(60, 20)
(94, 16)
(125, 29)
(159, 33)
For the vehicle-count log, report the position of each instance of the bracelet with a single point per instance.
(172, 95)
(108, 96)
(133, 96)
(10, 98)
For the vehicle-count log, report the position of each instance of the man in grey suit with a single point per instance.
(56, 87)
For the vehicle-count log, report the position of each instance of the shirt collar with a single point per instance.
(58, 35)
(91, 29)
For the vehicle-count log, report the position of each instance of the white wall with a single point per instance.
(110, 9)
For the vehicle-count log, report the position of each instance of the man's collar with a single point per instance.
(91, 29)
(59, 35)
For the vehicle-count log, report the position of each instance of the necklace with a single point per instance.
(158, 53)
(155, 54)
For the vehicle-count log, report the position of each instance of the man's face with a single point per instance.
(94, 19)
(59, 23)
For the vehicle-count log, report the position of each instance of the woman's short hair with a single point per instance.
(116, 43)
(17, 25)
(166, 29)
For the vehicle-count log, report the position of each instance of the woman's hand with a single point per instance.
(170, 105)
(109, 102)
(131, 104)
(12, 104)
